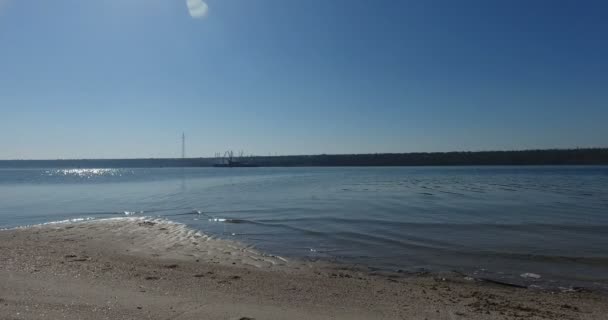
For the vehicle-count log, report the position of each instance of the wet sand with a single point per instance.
(153, 269)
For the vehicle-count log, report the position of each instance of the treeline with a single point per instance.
(596, 156)
(591, 156)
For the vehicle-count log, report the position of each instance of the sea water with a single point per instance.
(491, 222)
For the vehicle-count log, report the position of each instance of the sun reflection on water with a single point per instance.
(86, 173)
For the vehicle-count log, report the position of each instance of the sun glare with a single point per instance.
(197, 8)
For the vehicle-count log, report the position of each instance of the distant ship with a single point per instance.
(228, 162)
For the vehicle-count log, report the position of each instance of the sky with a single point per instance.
(125, 78)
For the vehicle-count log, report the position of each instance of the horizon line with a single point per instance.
(322, 154)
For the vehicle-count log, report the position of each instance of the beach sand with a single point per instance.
(154, 269)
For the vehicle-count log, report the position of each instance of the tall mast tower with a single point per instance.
(183, 146)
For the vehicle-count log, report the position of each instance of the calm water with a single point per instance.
(496, 222)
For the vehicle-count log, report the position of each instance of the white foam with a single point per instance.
(58, 222)
(530, 275)
(131, 213)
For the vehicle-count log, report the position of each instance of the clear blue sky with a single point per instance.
(124, 78)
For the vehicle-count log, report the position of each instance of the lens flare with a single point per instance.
(197, 8)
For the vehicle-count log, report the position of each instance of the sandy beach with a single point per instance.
(154, 269)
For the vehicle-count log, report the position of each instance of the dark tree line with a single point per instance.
(591, 156)
(595, 156)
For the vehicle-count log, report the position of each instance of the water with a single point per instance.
(496, 222)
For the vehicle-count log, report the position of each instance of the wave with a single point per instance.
(436, 225)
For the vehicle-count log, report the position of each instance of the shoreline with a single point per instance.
(140, 268)
(522, 279)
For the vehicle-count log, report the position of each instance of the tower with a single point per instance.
(183, 145)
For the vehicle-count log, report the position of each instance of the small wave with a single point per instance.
(587, 260)
(132, 213)
(229, 220)
(436, 225)
(50, 223)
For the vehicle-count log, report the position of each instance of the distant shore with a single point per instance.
(152, 269)
(587, 156)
